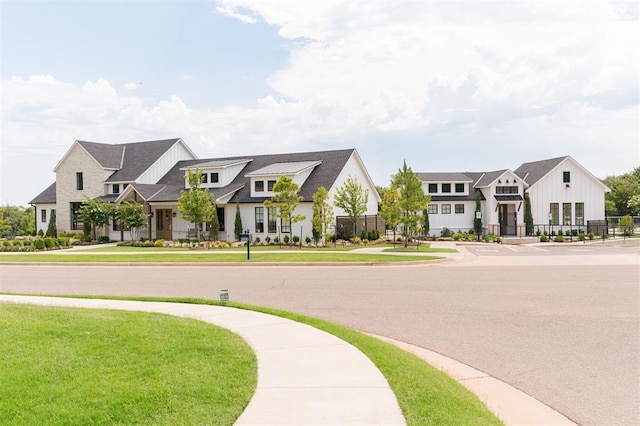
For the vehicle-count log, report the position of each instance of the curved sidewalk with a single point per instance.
(305, 376)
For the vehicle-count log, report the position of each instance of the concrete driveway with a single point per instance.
(562, 326)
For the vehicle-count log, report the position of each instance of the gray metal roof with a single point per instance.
(536, 170)
(219, 163)
(324, 174)
(47, 196)
(289, 168)
(512, 197)
(444, 177)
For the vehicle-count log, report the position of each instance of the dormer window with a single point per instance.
(215, 177)
(259, 186)
(270, 185)
(459, 187)
(204, 178)
(446, 187)
(433, 188)
(115, 188)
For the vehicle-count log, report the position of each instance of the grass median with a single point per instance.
(86, 366)
(209, 257)
(426, 395)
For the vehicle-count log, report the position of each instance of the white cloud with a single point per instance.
(455, 85)
(131, 86)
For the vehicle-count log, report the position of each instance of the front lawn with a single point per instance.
(64, 366)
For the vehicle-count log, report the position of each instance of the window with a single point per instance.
(580, 214)
(115, 188)
(566, 213)
(566, 177)
(76, 220)
(554, 210)
(446, 187)
(459, 187)
(79, 181)
(270, 184)
(272, 223)
(259, 220)
(285, 225)
(459, 208)
(43, 215)
(432, 209)
(220, 212)
(506, 189)
(203, 178)
(433, 188)
(446, 209)
(259, 186)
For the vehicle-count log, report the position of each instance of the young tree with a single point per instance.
(96, 213)
(390, 208)
(285, 200)
(353, 199)
(322, 214)
(132, 217)
(627, 226)
(528, 216)
(197, 205)
(52, 231)
(237, 225)
(477, 217)
(412, 200)
(425, 222)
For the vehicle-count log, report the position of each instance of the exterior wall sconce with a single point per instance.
(174, 214)
(568, 185)
(499, 181)
(151, 214)
(507, 180)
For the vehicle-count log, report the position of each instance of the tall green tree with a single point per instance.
(196, 204)
(477, 217)
(528, 216)
(285, 200)
(96, 213)
(634, 204)
(16, 220)
(623, 188)
(214, 226)
(322, 213)
(237, 225)
(425, 222)
(352, 198)
(412, 200)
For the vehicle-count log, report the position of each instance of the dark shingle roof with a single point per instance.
(324, 174)
(129, 160)
(489, 177)
(536, 170)
(46, 196)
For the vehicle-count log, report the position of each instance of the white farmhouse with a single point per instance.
(153, 173)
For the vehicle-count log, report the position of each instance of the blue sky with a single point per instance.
(448, 86)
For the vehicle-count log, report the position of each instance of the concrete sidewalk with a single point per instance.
(305, 376)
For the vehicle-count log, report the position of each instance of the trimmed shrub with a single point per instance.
(559, 239)
(39, 244)
(296, 239)
(446, 233)
(104, 239)
(40, 233)
(276, 240)
(591, 235)
(267, 239)
(538, 233)
(307, 240)
(543, 238)
(581, 236)
(364, 235)
(159, 243)
(286, 239)
(257, 240)
(49, 242)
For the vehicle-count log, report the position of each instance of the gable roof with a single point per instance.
(291, 167)
(330, 164)
(444, 177)
(48, 196)
(534, 171)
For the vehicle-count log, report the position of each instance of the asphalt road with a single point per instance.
(561, 325)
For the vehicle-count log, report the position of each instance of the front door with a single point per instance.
(164, 224)
(507, 221)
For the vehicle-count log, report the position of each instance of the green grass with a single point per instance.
(423, 248)
(130, 249)
(210, 256)
(426, 395)
(84, 366)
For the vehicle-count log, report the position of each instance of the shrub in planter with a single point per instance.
(559, 239)
(581, 236)
(257, 240)
(591, 235)
(39, 244)
(543, 238)
(286, 239)
(267, 239)
(49, 242)
(276, 240)
(307, 240)
(296, 239)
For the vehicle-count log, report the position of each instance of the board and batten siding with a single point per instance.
(161, 167)
(355, 169)
(583, 188)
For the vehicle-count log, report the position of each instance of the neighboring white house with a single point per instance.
(562, 193)
(153, 173)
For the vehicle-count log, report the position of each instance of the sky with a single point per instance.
(455, 85)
